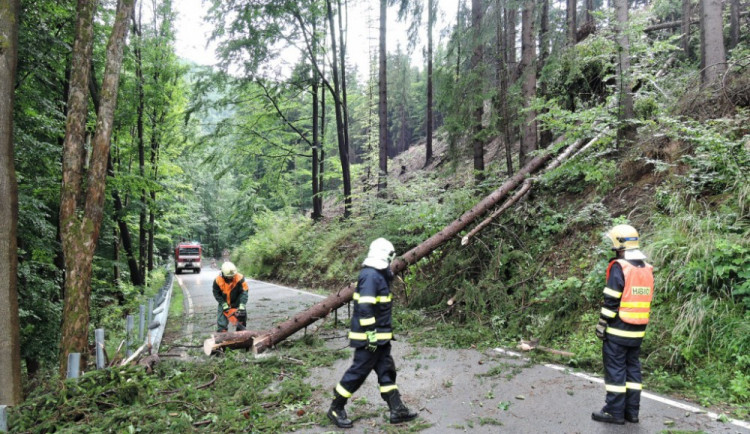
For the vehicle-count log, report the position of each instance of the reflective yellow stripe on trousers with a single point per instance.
(625, 334)
(363, 336)
(386, 389)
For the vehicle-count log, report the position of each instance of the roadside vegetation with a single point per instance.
(232, 392)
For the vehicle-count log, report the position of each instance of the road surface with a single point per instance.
(453, 389)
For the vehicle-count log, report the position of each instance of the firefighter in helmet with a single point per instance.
(230, 291)
(371, 335)
(622, 326)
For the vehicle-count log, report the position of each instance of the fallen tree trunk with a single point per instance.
(260, 341)
(526, 187)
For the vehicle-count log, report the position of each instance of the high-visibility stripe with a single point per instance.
(378, 299)
(367, 321)
(386, 389)
(608, 313)
(625, 314)
(612, 293)
(343, 392)
(614, 388)
(625, 333)
(363, 336)
(366, 300)
(633, 386)
(636, 304)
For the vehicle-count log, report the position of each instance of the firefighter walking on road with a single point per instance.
(622, 326)
(230, 291)
(371, 335)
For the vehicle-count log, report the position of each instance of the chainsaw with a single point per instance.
(234, 322)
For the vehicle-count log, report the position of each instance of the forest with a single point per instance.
(286, 152)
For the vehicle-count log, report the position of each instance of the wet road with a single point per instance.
(454, 389)
(268, 304)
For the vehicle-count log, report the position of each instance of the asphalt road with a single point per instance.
(452, 388)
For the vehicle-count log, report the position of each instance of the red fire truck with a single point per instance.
(187, 256)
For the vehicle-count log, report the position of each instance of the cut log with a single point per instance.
(149, 362)
(260, 341)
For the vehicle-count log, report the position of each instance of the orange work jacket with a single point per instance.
(635, 304)
(226, 288)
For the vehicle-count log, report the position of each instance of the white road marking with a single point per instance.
(187, 296)
(644, 394)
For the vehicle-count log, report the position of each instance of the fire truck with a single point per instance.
(187, 256)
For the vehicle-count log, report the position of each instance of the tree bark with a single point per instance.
(142, 230)
(734, 23)
(570, 22)
(382, 105)
(80, 233)
(10, 349)
(625, 131)
(713, 61)
(545, 134)
(430, 23)
(261, 341)
(685, 24)
(338, 103)
(528, 87)
(511, 19)
(477, 9)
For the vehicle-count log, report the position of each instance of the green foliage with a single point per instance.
(254, 395)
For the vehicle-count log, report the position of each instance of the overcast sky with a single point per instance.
(193, 33)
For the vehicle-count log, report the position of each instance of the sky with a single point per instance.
(193, 33)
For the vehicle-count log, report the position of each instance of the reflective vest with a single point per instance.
(226, 288)
(635, 304)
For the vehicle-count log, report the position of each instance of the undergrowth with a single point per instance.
(230, 393)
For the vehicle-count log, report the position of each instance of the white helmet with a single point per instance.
(380, 255)
(625, 238)
(228, 269)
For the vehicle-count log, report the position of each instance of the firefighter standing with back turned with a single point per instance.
(622, 326)
(371, 335)
(230, 291)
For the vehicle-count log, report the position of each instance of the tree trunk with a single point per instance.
(342, 59)
(545, 134)
(686, 12)
(10, 349)
(430, 23)
(734, 23)
(382, 106)
(511, 20)
(477, 9)
(625, 132)
(340, 133)
(260, 341)
(141, 147)
(528, 87)
(80, 234)
(135, 270)
(570, 22)
(713, 61)
(589, 15)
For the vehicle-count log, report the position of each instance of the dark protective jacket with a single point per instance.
(619, 331)
(233, 293)
(372, 307)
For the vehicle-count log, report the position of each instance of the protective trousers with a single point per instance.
(622, 379)
(365, 361)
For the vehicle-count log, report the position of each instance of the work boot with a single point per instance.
(337, 414)
(399, 412)
(603, 416)
(631, 417)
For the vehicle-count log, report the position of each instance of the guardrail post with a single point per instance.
(150, 310)
(129, 336)
(3, 418)
(141, 323)
(99, 339)
(74, 364)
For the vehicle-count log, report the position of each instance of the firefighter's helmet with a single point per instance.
(228, 270)
(380, 255)
(625, 238)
